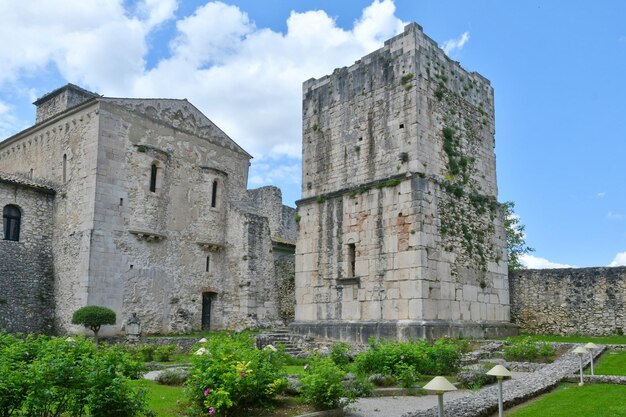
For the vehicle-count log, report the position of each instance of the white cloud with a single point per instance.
(601, 194)
(619, 260)
(614, 216)
(457, 44)
(264, 173)
(98, 43)
(535, 262)
(9, 124)
(247, 79)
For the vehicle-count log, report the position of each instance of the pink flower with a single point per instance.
(242, 374)
(211, 411)
(207, 391)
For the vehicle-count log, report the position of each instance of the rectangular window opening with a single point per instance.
(153, 178)
(208, 264)
(351, 259)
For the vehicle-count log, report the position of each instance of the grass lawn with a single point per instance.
(612, 362)
(591, 400)
(162, 399)
(613, 340)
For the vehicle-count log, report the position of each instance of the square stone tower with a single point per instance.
(400, 233)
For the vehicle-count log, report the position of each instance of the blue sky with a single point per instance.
(557, 68)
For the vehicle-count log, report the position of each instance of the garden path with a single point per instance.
(397, 406)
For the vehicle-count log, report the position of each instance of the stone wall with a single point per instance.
(26, 271)
(62, 151)
(569, 301)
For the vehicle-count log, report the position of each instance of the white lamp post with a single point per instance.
(591, 347)
(499, 372)
(440, 385)
(580, 351)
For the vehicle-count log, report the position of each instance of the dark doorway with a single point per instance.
(207, 299)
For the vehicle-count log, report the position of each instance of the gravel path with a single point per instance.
(397, 406)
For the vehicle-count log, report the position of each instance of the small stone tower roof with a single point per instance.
(60, 100)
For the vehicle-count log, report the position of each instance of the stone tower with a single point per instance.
(400, 233)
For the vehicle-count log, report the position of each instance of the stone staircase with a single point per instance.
(294, 343)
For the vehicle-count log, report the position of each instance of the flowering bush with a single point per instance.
(233, 376)
(41, 376)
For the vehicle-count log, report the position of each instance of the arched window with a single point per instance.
(11, 216)
(214, 194)
(153, 178)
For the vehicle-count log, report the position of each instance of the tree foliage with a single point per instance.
(93, 317)
(515, 237)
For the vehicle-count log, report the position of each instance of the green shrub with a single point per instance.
(339, 354)
(382, 380)
(323, 385)
(41, 376)
(163, 353)
(233, 375)
(406, 375)
(360, 386)
(388, 357)
(93, 317)
(145, 352)
(526, 350)
(174, 376)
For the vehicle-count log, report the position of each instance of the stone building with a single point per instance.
(399, 230)
(26, 278)
(143, 209)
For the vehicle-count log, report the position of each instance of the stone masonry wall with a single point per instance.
(150, 252)
(569, 301)
(62, 151)
(26, 271)
(399, 168)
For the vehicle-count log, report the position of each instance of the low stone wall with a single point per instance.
(484, 403)
(589, 301)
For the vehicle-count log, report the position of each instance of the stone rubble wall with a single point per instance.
(26, 270)
(590, 301)
(42, 150)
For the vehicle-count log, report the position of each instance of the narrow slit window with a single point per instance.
(208, 263)
(12, 217)
(351, 259)
(153, 178)
(214, 195)
(64, 167)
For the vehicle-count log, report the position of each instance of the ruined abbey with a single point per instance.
(141, 205)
